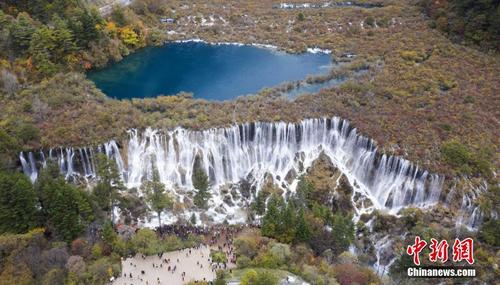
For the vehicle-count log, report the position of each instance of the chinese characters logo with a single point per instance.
(462, 250)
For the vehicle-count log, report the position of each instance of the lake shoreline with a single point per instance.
(211, 71)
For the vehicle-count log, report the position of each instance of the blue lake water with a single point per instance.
(213, 72)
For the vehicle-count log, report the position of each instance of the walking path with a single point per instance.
(181, 266)
(184, 265)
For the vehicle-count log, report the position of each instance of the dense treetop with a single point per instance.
(472, 21)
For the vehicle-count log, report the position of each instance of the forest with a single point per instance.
(473, 22)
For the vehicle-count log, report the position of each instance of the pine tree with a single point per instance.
(109, 186)
(42, 45)
(20, 32)
(65, 44)
(259, 205)
(200, 183)
(62, 209)
(84, 26)
(288, 223)
(65, 208)
(108, 233)
(342, 232)
(272, 219)
(193, 219)
(156, 194)
(303, 231)
(304, 191)
(18, 211)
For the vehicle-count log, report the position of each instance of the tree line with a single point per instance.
(471, 21)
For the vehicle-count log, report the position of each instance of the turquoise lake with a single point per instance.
(212, 72)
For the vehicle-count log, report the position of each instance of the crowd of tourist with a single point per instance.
(217, 237)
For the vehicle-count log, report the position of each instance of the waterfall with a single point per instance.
(252, 151)
(29, 166)
(470, 214)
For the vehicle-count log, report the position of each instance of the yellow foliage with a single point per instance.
(111, 28)
(411, 55)
(36, 231)
(129, 37)
(4, 63)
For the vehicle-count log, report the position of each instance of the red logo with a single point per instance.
(462, 250)
(439, 251)
(415, 249)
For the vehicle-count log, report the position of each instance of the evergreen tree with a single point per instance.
(20, 32)
(41, 47)
(18, 211)
(200, 183)
(65, 208)
(304, 191)
(342, 232)
(288, 223)
(156, 194)
(193, 219)
(108, 233)
(84, 26)
(303, 232)
(271, 220)
(107, 190)
(259, 205)
(63, 37)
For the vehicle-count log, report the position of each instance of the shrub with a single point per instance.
(469, 99)
(53, 277)
(218, 256)
(411, 55)
(489, 232)
(247, 246)
(171, 242)
(76, 264)
(261, 278)
(268, 260)
(96, 251)
(370, 21)
(353, 87)
(102, 270)
(243, 261)
(350, 273)
(455, 153)
(145, 241)
(281, 251)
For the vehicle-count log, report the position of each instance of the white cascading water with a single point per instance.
(29, 166)
(253, 151)
(470, 214)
